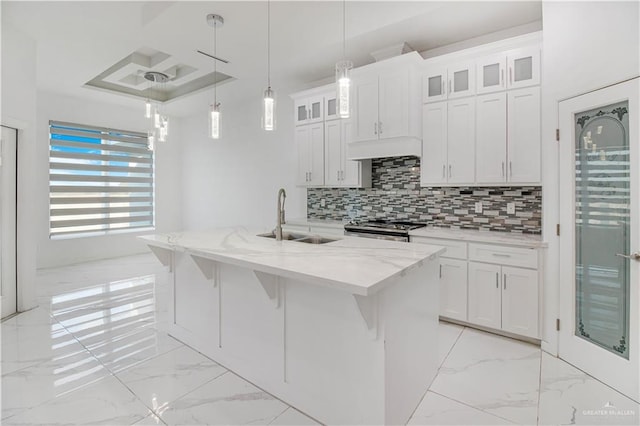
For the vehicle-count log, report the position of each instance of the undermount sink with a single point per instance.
(285, 235)
(301, 238)
(315, 239)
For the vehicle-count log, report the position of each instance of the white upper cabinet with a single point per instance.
(461, 141)
(490, 73)
(523, 67)
(462, 80)
(310, 145)
(393, 107)
(491, 138)
(434, 84)
(309, 110)
(450, 82)
(523, 149)
(331, 106)
(434, 144)
(365, 101)
(381, 106)
(508, 70)
(339, 171)
(448, 143)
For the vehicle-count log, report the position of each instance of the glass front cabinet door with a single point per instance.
(461, 80)
(523, 66)
(490, 73)
(309, 110)
(434, 85)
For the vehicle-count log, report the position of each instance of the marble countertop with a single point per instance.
(470, 235)
(361, 266)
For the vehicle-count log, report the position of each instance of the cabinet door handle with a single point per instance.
(504, 281)
(440, 271)
(449, 86)
(510, 169)
(443, 175)
(502, 77)
(500, 255)
(449, 170)
(503, 169)
(380, 126)
(375, 128)
(497, 278)
(510, 75)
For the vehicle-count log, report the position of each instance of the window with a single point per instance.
(101, 181)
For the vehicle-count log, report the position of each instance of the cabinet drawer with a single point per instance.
(503, 255)
(455, 249)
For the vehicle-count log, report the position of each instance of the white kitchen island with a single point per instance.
(346, 331)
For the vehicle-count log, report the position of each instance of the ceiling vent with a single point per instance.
(391, 51)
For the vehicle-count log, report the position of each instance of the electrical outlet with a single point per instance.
(323, 202)
(479, 207)
(511, 208)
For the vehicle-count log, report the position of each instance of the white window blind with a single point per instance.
(100, 180)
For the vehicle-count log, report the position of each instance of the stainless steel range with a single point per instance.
(382, 229)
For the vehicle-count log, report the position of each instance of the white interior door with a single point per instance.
(8, 145)
(600, 238)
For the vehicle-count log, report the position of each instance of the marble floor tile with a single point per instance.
(28, 345)
(293, 417)
(107, 402)
(494, 374)
(569, 396)
(448, 334)
(33, 386)
(226, 400)
(151, 420)
(439, 410)
(163, 379)
(122, 352)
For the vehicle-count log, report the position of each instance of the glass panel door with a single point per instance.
(602, 226)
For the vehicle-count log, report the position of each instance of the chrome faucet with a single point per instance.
(282, 196)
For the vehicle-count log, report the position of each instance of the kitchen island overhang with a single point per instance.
(345, 331)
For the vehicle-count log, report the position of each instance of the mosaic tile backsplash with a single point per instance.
(396, 194)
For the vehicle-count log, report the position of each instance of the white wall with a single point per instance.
(19, 111)
(586, 45)
(235, 180)
(168, 180)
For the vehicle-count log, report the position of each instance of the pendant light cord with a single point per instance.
(269, 44)
(215, 63)
(344, 29)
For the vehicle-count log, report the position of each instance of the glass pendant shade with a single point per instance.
(214, 121)
(343, 86)
(269, 110)
(147, 109)
(156, 118)
(165, 124)
(151, 140)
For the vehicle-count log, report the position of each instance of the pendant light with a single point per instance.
(154, 112)
(269, 98)
(343, 71)
(215, 21)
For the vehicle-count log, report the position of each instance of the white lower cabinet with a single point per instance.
(453, 288)
(490, 285)
(484, 295)
(520, 301)
(504, 298)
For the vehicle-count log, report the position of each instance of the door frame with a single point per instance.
(14, 293)
(611, 369)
